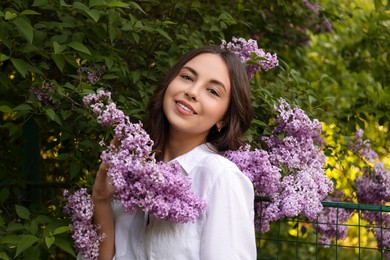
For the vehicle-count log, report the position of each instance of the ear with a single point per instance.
(219, 125)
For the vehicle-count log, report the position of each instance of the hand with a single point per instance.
(103, 190)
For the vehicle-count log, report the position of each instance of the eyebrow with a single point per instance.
(214, 81)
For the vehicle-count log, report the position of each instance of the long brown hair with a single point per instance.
(237, 117)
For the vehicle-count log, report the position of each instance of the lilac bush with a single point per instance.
(372, 187)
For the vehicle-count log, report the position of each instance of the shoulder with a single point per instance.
(213, 170)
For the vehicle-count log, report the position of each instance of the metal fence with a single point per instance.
(296, 238)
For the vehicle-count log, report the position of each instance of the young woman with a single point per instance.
(200, 109)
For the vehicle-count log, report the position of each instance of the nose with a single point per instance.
(192, 93)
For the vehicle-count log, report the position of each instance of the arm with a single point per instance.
(101, 195)
(229, 228)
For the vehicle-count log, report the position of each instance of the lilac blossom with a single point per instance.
(295, 146)
(256, 165)
(315, 7)
(331, 221)
(249, 51)
(139, 180)
(43, 93)
(79, 207)
(93, 73)
(290, 172)
(362, 147)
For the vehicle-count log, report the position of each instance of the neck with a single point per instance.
(178, 145)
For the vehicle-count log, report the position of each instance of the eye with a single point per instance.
(213, 92)
(186, 77)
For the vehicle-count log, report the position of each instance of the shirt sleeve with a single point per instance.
(229, 231)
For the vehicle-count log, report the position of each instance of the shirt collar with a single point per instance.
(193, 157)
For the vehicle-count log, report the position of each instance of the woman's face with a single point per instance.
(198, 97)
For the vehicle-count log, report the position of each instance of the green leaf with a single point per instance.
(163, 33)
(24, 26)
(33, 227)
(10, 15)
(137, 6)
(22, 212)
(10, 239)
(3, 57)
(29, 12)
(59, 60)
(58, 48)
(78, 46)
(95, 3)
(21, 66)
(4, 256)
(23, 107)
(40, 2)
(4, 194)
(25, 242)
(61, 230)
(64, 245)
(50, 113)
(118, 4)
(94, 14)
(12, 226)
(49, 241)
(6, 109)
(80, 6)
(74, 169)
(62, 2)
(109, 61)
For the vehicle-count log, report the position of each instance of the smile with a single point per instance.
(185, 108)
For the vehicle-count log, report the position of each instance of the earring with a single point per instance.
(218, 129)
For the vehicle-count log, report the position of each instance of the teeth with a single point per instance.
(185, 108)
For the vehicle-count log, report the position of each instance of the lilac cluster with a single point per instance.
(249, 53)
(291, 171)
(84, 233)
(363, 147)
(330, 222)
(315, 7)
(43, 93)
(139, 180)
(373, 187)
(295, 146)
(256, 165)
(93, 73)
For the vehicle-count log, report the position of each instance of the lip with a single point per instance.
(181, 110)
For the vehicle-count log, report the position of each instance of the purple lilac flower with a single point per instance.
(290, 172)
(139, 180)
(363, 147)
(43, 93)
(93, 73)
(331, 221)
(295, 146)
(257, 167)
(84, 233)
(245, 49)
(315, 7)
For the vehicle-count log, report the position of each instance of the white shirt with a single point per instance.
(224, 231)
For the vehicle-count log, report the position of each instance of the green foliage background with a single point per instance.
(338, 75)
